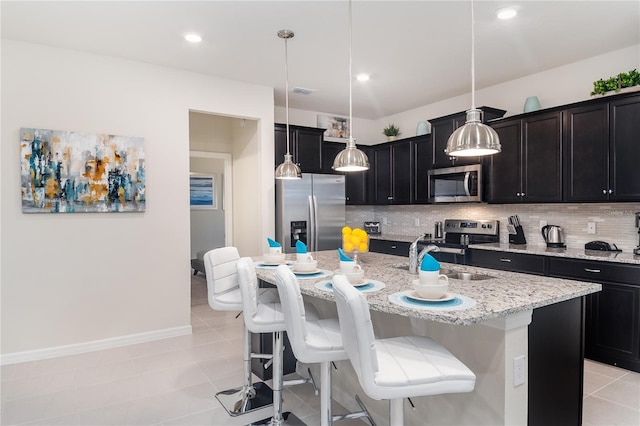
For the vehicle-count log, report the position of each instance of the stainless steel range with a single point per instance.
(458, 235)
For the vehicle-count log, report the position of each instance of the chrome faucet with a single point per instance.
(415, 258)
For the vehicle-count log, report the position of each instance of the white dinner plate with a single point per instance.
(413, 295)
(265, 263)
(315, 271)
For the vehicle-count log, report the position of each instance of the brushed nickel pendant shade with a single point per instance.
(474, 138)
(350, 159)
(288, 169)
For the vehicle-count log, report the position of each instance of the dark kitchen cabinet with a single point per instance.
(602, 151)
(612, 315)
(422, 160)
(529, 168)
(586, 153)
(506, 261)
(392, 172)
(443, 127)
(305, 146)
(624, 149)
(355, 182)
(396, 248)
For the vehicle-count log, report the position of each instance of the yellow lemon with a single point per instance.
(346, 230)
(355, 240)
(362, 247)
(348, 246)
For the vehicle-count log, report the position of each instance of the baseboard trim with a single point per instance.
(95, 345)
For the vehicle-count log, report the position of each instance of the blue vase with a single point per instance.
(531, 104)
(424, 128)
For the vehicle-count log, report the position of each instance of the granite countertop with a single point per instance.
(543, 250)
(506, 294)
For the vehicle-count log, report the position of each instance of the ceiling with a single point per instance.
(417, 52)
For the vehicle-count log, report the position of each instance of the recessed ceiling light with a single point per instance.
(362, 77)
(193, 38)
(506, 13)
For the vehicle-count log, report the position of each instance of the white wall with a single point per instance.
(557, 86)
(75, 278)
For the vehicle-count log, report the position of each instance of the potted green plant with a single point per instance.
(614, 84)
(391, 132)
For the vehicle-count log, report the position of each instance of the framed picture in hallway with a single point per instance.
(73, 172)
(202, 191)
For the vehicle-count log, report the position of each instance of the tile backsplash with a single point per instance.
(615, 222)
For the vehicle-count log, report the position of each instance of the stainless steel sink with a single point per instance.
(467, 276)
(404, 266)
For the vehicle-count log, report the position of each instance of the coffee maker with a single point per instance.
(637, 249)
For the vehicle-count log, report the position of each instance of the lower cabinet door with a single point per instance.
(613, 326)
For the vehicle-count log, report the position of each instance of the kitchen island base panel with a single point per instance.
(487, 350)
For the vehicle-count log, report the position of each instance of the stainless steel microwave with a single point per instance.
(462, 184)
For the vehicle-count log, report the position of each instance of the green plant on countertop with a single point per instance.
(622, 80)
(391, 130)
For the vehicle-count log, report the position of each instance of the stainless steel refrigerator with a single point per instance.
(311, 209)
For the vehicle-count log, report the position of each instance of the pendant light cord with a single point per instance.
(350, 73)
(473, 67)
(286, 88)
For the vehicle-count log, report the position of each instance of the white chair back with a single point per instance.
(293, 309)
(222, 276)
(357, 331)
(248, 282)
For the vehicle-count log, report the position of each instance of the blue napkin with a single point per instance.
(429, 263)
(301, 248)
(344, 257)
(273, 243)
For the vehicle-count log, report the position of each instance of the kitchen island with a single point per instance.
(487, 337)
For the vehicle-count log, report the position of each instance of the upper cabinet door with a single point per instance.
(625, 149)
(309, 149)
(382, 175)
(541, 158)
(421, 164)
(440, 131)
(586, 153)
(505, 181)
(402, 172)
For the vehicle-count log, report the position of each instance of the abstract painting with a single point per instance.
(202, 194)
(72, 172)
(337, 127)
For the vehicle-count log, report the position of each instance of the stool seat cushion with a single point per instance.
(419, 363)
(268, 318)
(323, 341)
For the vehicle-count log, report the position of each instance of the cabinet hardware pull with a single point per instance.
(604, 191)
(393, 247)
(611, 191)
(523, 194)
(517, 194)
(595, 271)
(505, 260)
(389, 198)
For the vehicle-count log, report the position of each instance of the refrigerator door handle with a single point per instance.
(316, 228)
(311, 231)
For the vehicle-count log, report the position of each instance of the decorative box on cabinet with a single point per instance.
(305, 146)
(529, 168)
(443, 127)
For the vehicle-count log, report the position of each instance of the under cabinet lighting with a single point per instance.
(193, 38)
(506, 13)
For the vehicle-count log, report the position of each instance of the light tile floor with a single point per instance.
(172, 382)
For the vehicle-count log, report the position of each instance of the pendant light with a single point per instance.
(474, 138)
(350, 159)
(288, 169)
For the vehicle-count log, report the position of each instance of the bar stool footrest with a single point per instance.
(241, 401)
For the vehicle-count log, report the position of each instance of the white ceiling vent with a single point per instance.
(303, 90)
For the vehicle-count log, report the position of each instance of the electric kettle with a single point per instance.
(553, 236)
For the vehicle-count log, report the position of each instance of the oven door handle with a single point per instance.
(467, 190)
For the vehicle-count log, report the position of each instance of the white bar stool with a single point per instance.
(313, 341)
(224, 294)
(398, 367)
(267, 317)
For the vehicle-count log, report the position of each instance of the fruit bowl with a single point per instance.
(354, 241)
